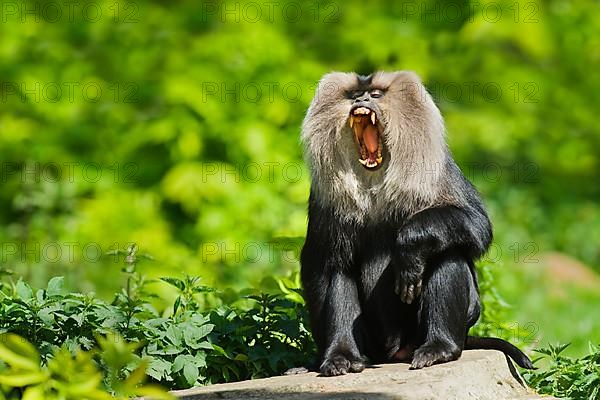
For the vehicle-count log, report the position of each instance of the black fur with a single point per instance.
(404, 288)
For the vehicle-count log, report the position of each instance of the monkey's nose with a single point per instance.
(363, 97)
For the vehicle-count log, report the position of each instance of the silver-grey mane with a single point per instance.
(413, 174)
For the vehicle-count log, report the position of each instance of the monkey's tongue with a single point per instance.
(371, 138)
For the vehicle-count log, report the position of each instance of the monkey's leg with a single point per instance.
(448, 303)
(341, 310)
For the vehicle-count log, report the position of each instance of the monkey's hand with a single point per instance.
(408, 273)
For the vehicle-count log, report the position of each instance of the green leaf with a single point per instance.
(174, 335)
(165, 351)
(220, 350)
(178, 283)
(47, 316)
(158, 368)
(55, 286)
(199, 360)
(23, 290)
(22, 378)
(176, 305)
(85, 387)
(190, 373)
(204, 289)
(34, 393)
(205, 345)
(203, 331)
(178, 363)
(137, 376)
(18, 352)
(192, 334)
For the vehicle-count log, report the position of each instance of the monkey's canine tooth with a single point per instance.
(373, 118)
(351, 121)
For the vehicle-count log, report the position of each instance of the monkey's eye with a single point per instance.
(376, 93)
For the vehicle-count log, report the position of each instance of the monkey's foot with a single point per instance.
(434, 353)
(338, 364)
(409, 285)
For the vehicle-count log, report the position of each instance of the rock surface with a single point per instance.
(479, 374)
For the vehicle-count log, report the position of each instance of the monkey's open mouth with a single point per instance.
(366, 132)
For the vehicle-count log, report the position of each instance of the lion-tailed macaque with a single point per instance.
(394, 229)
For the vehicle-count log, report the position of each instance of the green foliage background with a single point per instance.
(196, 132)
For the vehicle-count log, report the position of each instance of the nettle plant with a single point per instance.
(203, 337)
(565, 376)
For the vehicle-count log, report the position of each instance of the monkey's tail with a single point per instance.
(490, 343)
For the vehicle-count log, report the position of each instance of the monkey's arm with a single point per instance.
(439, 229)
(435, 231)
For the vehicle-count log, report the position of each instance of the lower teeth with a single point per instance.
(369, 163)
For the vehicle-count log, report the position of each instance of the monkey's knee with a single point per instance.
(449, 277)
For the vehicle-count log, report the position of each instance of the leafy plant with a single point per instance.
(567, 377)
(68, 376)
(204, 336)
(188, 287)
